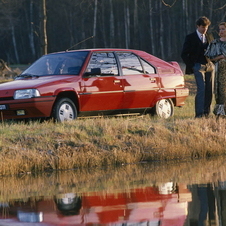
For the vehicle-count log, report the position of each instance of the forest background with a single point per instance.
(31, 28)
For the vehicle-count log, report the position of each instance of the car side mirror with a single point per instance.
(93, 71)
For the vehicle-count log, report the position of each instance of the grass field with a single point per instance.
(83, 143)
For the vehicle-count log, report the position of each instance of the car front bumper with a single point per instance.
(26, 108)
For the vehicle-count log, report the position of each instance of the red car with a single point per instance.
(66, 85)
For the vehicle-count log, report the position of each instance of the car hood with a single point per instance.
(36, 82)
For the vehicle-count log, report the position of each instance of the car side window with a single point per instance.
(130, 63)
(105, 61)
(148, 69)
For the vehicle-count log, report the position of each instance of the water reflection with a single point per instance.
(185, 194)
(208, 204)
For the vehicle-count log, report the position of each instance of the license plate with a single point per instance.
(3, 107)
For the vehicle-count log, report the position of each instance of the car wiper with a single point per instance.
(27, 75)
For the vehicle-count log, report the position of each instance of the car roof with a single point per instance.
(99, 49)
(138, 52)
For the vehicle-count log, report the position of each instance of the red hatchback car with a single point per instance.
(70, 84)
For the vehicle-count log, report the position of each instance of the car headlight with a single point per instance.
(26, 93)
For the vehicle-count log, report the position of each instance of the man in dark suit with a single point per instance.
(194, 47)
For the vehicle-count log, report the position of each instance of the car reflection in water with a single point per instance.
(24, 216)
(165, 204)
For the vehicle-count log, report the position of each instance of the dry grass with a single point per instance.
(35, 147)
(85, 143)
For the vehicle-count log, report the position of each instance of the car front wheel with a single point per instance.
(164, 108)
(64, 110)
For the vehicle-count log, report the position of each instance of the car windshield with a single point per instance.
(67, 63)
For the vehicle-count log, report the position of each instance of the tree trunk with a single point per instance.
(161, 39)
(201, 7)
(95, 24)
(112, 26)
(127, 25)
(44, 42)
(135, 26)
(186, 19)
(210, 10)
(31, 34)
(14, 43)
(151, 28)
(103, 25)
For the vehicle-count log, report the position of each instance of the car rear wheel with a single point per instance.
(64, 110)
(164, 108)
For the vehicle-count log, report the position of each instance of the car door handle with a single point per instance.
(152, 79)
(117, 81)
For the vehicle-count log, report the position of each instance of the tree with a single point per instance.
(95, 23)
(43, 30)
(151, 26)
(9, 11)
(30, 23)
(112, 25)
(127, 24)
(156, 26)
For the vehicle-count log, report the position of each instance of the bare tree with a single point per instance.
(135, 25)
(158, 26)
(112, 25)
(9, 11)
(161, 39)
(103, 24)
(185, 16)
(30, 24)
(95, 24)
(151, 27)
(127, 24)
(43, 31)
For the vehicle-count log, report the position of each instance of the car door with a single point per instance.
(140, 81)
(101, 91)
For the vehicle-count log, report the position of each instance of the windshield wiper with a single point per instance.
(27, 75)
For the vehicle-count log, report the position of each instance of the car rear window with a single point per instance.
(148, 69)
(130, 63)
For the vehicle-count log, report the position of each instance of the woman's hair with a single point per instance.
(203, 21)
(222, 23)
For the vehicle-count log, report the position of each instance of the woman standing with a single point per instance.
(216, 52)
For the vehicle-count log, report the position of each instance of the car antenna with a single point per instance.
(79, 43)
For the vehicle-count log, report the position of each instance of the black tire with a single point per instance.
(164, 108)
(71, 207)
(64, 110)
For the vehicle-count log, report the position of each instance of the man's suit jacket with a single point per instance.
(193, 51)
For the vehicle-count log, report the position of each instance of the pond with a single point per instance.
(156, 194)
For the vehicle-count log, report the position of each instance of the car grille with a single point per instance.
(6, 98)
